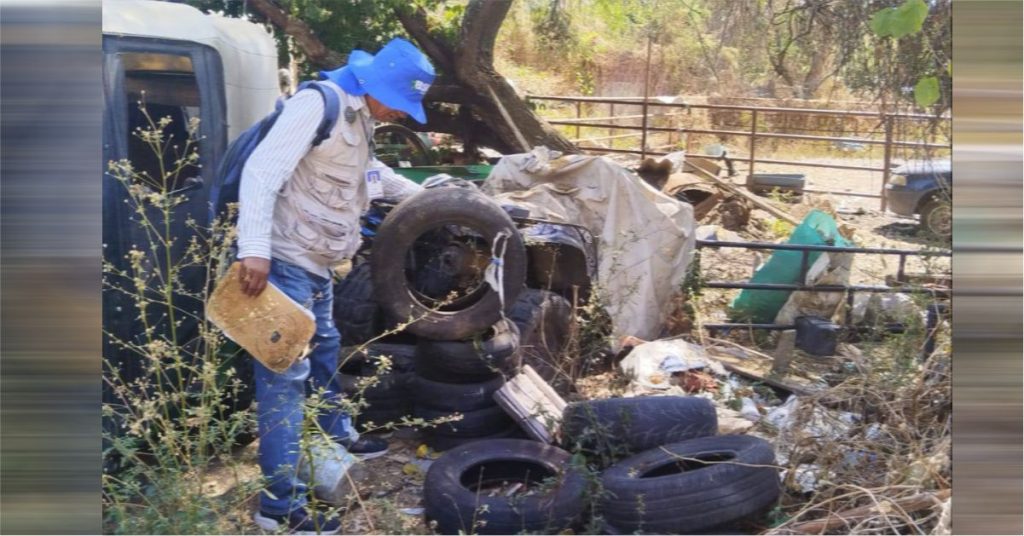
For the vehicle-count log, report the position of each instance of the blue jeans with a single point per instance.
(280, 397)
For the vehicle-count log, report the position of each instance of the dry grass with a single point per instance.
(897, 448)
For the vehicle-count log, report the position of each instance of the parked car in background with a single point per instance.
(923, 189)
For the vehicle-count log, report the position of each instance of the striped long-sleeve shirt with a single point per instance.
(275, 161)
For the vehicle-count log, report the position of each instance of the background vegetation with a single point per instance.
(892, 51)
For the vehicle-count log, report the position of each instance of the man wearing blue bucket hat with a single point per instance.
(299, 209)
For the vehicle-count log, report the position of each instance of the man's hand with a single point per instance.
(253, 273)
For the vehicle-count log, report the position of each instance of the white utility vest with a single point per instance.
(316, 216)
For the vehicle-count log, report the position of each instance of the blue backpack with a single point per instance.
(229, 172)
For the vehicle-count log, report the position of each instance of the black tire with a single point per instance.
(441, 442)
(475, 423)
(364, 361)
(391, 390)
(380, 417)
(410, 146)
(454, 396)
(937, 218)
(616, 427)
(483, 355)
(424, 212)
(456, 508)
(658, 492)
(544, 319)
(431, 369)
(356, 314)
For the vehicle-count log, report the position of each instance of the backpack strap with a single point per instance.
(332, 109)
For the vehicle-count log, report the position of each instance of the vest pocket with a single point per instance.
(321, 235)
(346, 186)
(333, 190)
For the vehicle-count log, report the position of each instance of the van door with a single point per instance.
(148, 83)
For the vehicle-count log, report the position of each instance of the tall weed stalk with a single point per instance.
(174, 410)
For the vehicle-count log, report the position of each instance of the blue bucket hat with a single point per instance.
(398, 76)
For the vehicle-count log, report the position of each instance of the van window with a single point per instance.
(160, 87)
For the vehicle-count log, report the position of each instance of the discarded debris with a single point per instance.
(332, 470)
(816, 335)
(749, 410)
(696, 381)
(651, 365)
(794, 419)
(731, 422)
(784, 267)
(734, 214)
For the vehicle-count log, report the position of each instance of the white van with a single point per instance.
(189, 64)
(173, 61)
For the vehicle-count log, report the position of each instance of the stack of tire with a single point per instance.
(463, 351)
(459, 378)
(676, 477)
(387, 396)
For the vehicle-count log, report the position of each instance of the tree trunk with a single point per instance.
(817, 73)
(471, 63)
(491, 112)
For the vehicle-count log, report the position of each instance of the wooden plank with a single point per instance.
(531, 411)
(534, 405)
(546, 389)
(760, 369)
(760, 203)
(699, 162)
(513, 400)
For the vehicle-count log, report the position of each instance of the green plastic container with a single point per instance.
(418, 174)
(783, 267)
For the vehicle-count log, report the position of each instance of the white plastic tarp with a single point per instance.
(645, 238)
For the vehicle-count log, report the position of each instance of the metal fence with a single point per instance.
(613, 123)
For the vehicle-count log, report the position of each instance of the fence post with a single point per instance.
(647, 82)
(611, 113)
(753, 138)
(578, 110)
(887, 158)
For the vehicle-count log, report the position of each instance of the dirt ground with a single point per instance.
(390, 497)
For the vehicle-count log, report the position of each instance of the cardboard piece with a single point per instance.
(272, 327)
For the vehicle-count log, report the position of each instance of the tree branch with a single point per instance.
(450, 91)
(470, 130)
(415, 23)
(316, 52)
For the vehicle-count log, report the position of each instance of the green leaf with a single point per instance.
(900, 21)
(926, 92)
